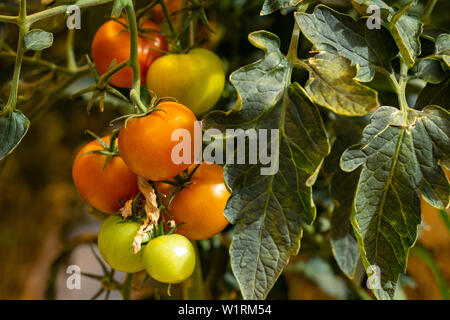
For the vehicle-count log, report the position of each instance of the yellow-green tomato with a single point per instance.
(169, 258)
(115, 243)
(195, 79)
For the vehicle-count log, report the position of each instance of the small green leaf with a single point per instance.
(38, 40)
(405, 29)
(269, 210)
(338, 33)
(397, 162)
(442, 46)
(334, 32)
(13, 127)
(430, 70)
(331, 84)
(271, 6)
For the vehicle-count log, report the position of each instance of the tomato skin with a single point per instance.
(103, 188)
(146, 146)
(169, 258)
(199, 206)
(115, 243)
(111, 42)
(195, 79)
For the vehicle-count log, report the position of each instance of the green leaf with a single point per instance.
(395, 166)
(431, 144)
(343, 241)
(434, 94)
(269, 210)
(405, 29)
(271, 6)
(442, 46)
(13, 127)
(338, 33)
(38, 40)
(430, 70)
(331, 84)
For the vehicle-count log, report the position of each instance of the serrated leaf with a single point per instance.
(334, 32)
(271, 6)
(331, 84)
(432, 144)
(387, 203)
(430, 70)
(434, 94)
(13, 127)
(442, 46)
(405, 29)
(269, 210)
(38, 40)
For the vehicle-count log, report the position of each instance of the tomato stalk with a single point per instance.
(23, 29)
(133, 62)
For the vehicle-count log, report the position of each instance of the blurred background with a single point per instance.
(45, 226)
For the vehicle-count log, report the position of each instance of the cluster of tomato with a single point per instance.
(106, 170)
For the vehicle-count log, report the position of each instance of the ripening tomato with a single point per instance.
(146, 145)
(195, 79)
(103, 187)
(172, 6)
(169, 258)
(198, 207)
(115, 243)
(112, 41)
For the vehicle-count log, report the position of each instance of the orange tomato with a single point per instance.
(146, 145)
(103, 188)
(199, 206)
(112, 41)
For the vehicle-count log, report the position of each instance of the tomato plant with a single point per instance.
(198, 207)
(200, 84)
(111, 44)
(104, 183)
(169, 258)
(326, 123)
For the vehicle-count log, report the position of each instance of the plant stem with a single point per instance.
(32, 18)
(126, 287)
(403, 80)
(71, 60)
(168, 18)
(133, 62)
(23, 29)
(8, 19)
(426, 14)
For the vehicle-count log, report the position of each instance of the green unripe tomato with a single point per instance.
(115, 243)
(169, 258)
(195, 79)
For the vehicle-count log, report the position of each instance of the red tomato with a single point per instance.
(112, 42)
